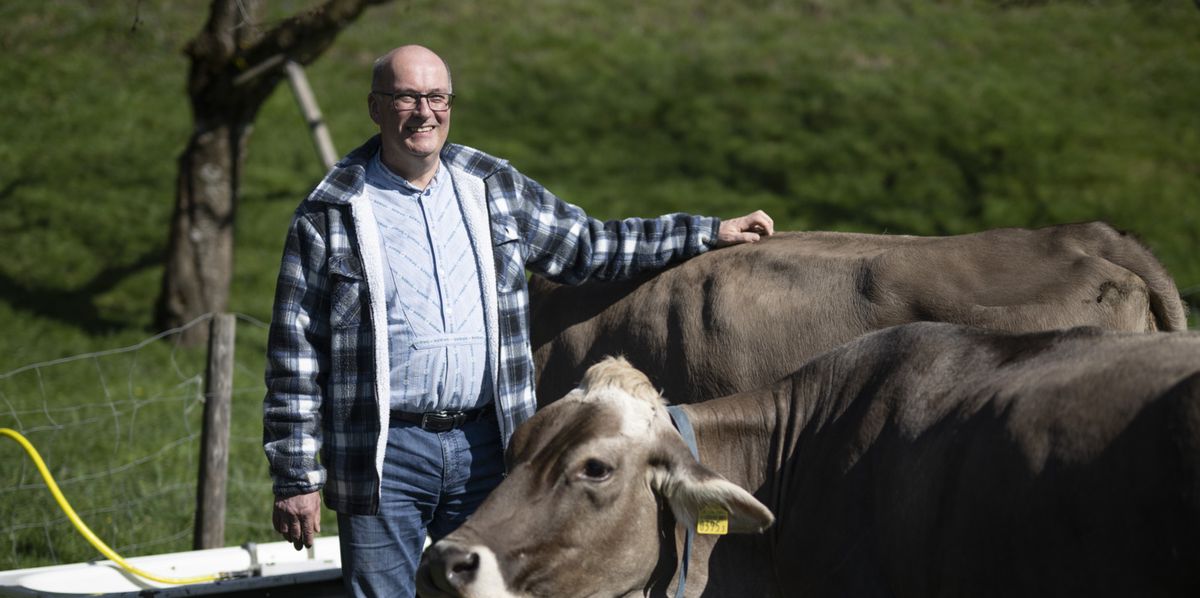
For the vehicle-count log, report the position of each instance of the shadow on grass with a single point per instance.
(11, 187)
(76, 306)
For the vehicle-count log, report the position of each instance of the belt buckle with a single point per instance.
(437, 421)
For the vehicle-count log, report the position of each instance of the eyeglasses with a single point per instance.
(407, 100)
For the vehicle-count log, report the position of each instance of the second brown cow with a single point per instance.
(742, 317)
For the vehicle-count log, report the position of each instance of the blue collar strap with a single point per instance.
(684, 425)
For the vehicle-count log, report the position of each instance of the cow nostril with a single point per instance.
(460, 567)
(447, 570)
(467, 563)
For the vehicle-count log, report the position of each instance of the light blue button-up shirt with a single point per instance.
(436, 331)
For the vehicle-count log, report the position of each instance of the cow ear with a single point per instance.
(692, 490)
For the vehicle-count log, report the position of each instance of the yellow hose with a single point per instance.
(91, 537)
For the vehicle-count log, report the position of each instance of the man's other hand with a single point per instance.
(298, 518)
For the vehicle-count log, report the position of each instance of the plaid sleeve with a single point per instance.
(566, 245)
(297, 362)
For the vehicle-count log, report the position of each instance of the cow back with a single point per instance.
(742, 317)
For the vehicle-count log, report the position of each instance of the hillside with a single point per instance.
(888, 116)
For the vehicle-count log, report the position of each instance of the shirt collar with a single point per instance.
(379, 175)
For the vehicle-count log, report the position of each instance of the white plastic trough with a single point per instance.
(279, 565)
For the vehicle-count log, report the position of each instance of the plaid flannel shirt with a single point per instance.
(327, 356)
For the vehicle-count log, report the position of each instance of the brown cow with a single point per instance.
(745, 316)
(923, 460)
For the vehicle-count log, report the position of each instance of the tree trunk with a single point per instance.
(235, 67)
(199, 264)
(200, 256)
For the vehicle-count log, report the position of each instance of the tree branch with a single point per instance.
(235, 67)
(304, 37)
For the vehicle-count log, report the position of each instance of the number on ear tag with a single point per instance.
(714, 520)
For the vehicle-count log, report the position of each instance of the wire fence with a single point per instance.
(119, 431)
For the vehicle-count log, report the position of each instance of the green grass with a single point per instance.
(889, 116)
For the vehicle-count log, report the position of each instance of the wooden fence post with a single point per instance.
(214, 436)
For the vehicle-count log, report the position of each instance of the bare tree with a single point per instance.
(236, 64)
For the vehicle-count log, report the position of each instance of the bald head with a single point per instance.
(390, 66)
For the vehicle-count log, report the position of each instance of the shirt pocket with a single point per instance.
(506, 251)
(347, 290)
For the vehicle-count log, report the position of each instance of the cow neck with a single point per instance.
(684, 425)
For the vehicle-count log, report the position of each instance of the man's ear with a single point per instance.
(373, 108)
(693, 489)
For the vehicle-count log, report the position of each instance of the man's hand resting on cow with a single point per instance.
(745, 229)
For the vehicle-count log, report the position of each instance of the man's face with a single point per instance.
(418, 132)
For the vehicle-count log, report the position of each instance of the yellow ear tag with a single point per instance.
(714, 521)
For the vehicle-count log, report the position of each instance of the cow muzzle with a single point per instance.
(450, 570)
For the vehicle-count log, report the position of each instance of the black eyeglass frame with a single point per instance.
(391, 95)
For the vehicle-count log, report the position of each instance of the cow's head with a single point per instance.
(581, 512)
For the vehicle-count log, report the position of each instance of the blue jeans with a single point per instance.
(431, 481)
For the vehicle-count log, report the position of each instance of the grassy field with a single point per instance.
(889, 116)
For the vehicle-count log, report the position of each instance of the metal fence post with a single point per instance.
(214, 437)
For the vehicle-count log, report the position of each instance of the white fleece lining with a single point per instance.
(472, 197)
(372, 266)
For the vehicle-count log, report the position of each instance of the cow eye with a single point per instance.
(595, 470)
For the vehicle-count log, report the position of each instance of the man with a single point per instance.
(399, 347)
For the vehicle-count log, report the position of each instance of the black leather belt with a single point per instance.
(441, 421)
